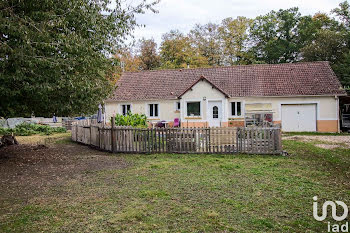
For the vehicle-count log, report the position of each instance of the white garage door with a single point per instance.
(298, 117)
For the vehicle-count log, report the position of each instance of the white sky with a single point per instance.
(184, 14)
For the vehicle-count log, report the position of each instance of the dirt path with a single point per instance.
(34, 168)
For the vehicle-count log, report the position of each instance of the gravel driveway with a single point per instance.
(331, 141)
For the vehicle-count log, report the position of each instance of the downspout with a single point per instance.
(337, 108)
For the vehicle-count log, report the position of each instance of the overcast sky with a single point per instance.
(184, 14)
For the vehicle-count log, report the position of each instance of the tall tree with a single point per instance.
(128, 61)
(310, 26)
(148, 54)
(327, 46)
(342, 69)
(206, 39)
(275, 36)
(342, 66)
(55, 55)
(343, 11)
(234, 36)
(176, 52)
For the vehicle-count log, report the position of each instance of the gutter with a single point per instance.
(337, 110)
(258, 96)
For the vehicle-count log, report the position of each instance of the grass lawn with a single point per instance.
(171, 192)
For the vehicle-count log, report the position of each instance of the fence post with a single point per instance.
(90, 132)
(112, 133)
(76, 132)
(279, 133)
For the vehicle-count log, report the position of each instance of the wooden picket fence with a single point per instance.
(178, 140)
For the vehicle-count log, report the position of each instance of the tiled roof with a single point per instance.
(289, 79)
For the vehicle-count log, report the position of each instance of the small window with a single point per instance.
(153, 110)
(236, 109)
(193, 108)
(215, 112)
(126, 108)
(177, 106)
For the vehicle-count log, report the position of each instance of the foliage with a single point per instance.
(343, 11)
(327, 46)
(27, 129)
(342, 69)
(148, 54)
(128, 61)
(206, 39)
(55, 54)
(234, 36)
(275, 36)
(176, 52)
(130, 119)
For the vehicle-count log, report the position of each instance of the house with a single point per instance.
(299, 96)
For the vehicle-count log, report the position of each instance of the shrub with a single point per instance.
(27, 129)
(134, 120)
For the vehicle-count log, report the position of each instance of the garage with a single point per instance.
(299, 117)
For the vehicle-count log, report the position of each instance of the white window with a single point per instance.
(153, 110)
(215, 112)
(236, 108)
(126, 108)
(177, 106)
(193, 108)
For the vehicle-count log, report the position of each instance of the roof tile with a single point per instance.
(289, 79)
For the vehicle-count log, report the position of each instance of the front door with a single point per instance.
(214, 113)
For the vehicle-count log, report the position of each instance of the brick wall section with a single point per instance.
(195, 124)
(235, 123)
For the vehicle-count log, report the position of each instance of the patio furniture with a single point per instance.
(160, 124)
(176, 122)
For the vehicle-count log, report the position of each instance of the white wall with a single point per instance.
(167, 110)
(326, 106)
(203, 92)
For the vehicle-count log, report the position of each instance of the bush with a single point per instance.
(27, 129)
(134, 120)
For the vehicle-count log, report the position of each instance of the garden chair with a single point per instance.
(176, 122)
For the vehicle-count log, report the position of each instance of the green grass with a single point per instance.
(192, 193)
(27, 129)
